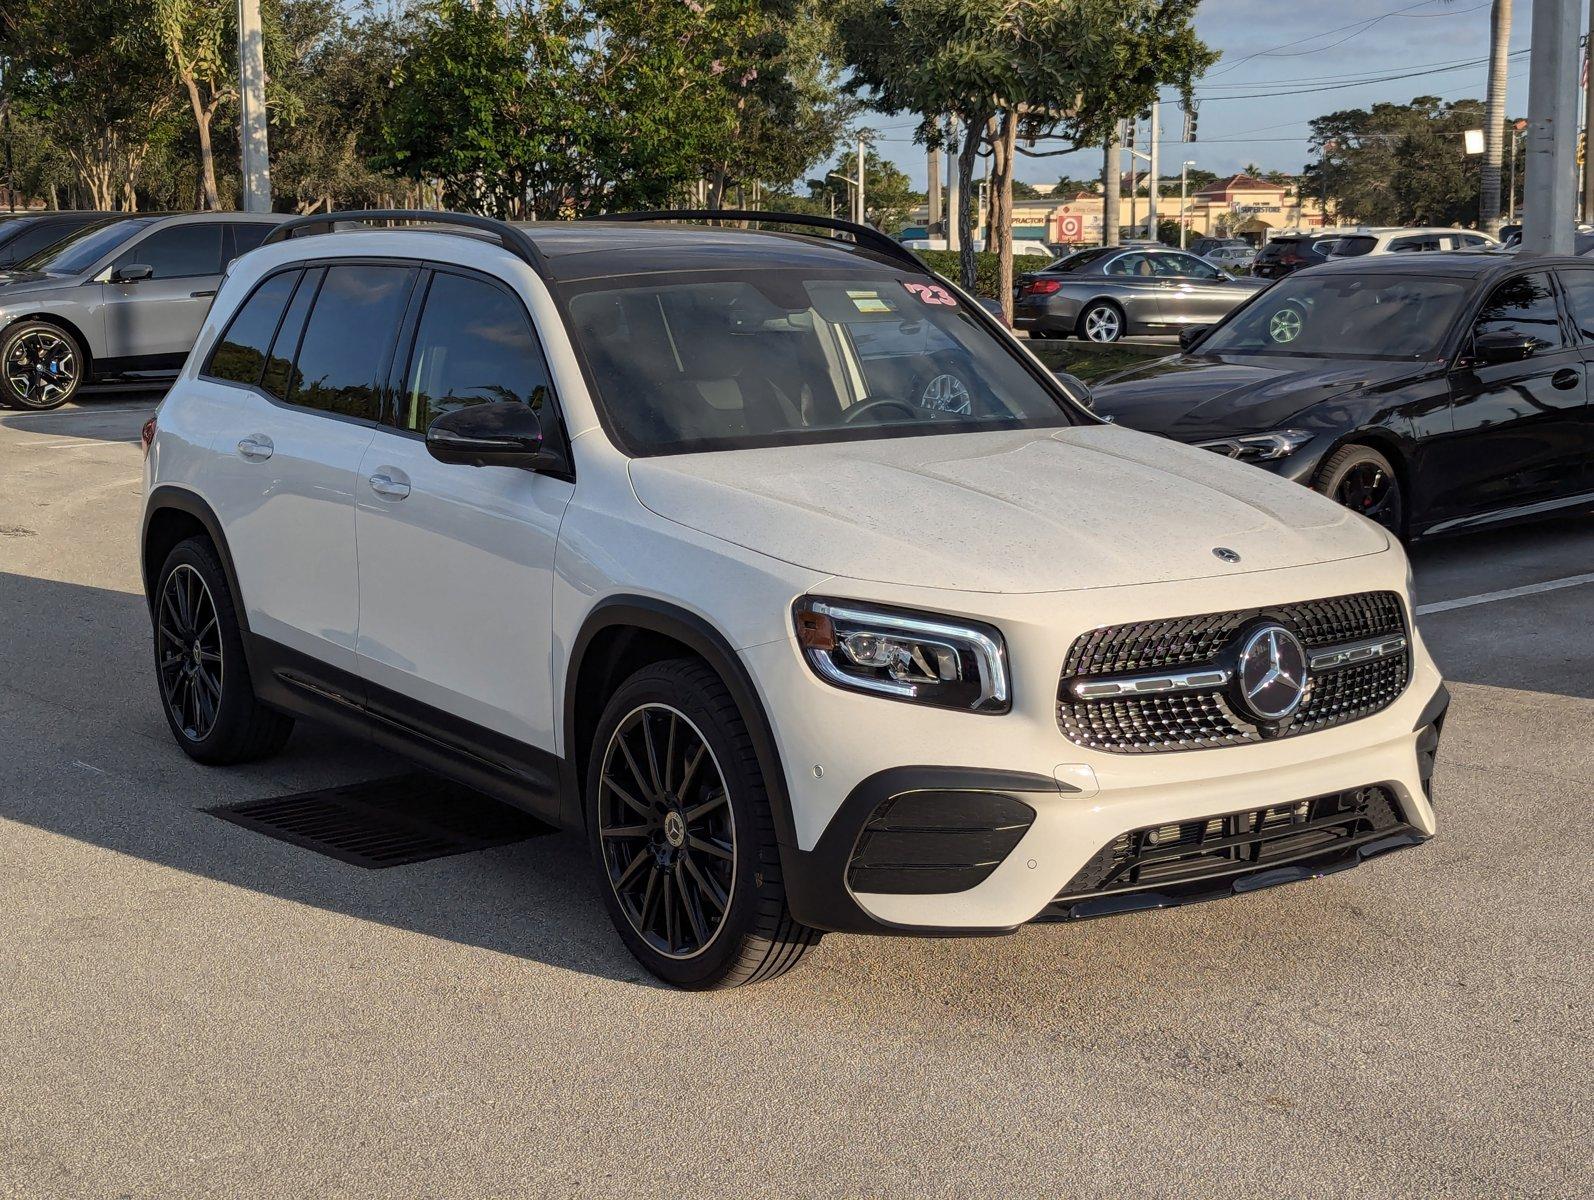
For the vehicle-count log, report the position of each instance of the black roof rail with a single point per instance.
(865, 236)
(511, 239)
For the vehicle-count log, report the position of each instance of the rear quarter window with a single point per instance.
(240, 355)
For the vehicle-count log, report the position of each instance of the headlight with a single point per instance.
(904, 655)
(1260, 447)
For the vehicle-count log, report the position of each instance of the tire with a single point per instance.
(1364, 481)
(1101, 322)
(42, 366)
(657, 831)
(214, 716)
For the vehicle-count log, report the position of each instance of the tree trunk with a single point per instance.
(1004, 149)
(1111, 182)
(973, 132)
(1494, 131)
(209, 200)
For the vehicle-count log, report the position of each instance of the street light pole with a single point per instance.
(862, 209)
(1550, 211)
(252, 109)
(1152, 170)
(1184, 187)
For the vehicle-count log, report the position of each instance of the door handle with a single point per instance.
(256, 447)
(201, 295)
(389, 488)
(1565, 379)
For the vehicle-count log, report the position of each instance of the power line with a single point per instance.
(1339, 87)
(1349, 77)
(1366, 23)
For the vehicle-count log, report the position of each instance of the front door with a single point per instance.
(152, 323)
(456, 562)
(1577, 286)
(1194, 292)
(1512, 423)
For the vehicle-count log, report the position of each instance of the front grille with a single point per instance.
(1177, 863)
(1206, 718)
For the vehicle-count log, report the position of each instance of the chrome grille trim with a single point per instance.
(1356, 652)
(1141, 685)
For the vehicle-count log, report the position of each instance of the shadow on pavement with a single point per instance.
(114, 417)
(88, 756)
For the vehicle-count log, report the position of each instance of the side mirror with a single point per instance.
(1190, 335)
(1503, 347)
(503, 434)
(132, 273)
(1077, 389)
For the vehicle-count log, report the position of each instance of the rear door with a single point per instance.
(456, 562)
(152, 323)
(1577, 286)
(1518, 428)
(1136, 288)
(283, 468)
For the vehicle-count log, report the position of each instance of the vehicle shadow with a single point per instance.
(113, 417)
(88, 756)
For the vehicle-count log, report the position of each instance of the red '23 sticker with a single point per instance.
(931, 293)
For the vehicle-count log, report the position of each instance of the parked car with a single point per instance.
(1430, 395)
(121, 300)
(1104, 294)
(27, 234)
(1237, 260)
(1288, 253)
(777, 567)
(1205, 245)
(1404, 240)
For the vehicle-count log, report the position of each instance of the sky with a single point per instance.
(1282, 46)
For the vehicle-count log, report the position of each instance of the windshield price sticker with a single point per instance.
(869, 302)
(931, 293)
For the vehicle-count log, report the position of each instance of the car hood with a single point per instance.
(1005, 511)
(28, 283)
(1192, 398)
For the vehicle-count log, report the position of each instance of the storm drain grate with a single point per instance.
(386, 822)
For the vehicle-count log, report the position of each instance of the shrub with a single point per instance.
(945, 262)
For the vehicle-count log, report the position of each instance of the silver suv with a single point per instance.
(122, 300)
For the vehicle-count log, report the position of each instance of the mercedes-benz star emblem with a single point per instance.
(1225, 554)
(1272, 672)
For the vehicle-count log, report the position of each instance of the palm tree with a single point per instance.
(1494, 131)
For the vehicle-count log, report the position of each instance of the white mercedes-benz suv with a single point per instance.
(779, 567)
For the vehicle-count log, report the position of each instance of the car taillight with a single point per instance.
(1042, 287)
(146, 436)
(1291, 260)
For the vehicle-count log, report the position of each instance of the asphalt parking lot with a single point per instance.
(193, 1010)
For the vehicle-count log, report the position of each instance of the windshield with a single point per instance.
(1344, 316)
(730, 360)
(83, 248)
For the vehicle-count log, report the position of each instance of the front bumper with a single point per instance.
(1002, 866)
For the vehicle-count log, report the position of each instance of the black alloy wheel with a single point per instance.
(1364, 481)
(188, 652)
(680, 823)
(41, 366)
(206, 690)
(667, 830)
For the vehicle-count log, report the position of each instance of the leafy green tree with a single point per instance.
(199, 40)
(887, 191)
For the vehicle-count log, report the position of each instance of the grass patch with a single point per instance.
(1091, 362)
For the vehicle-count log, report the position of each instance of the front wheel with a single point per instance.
(1101, 322)
(41, 366)
(1364, 481)
(680, 824)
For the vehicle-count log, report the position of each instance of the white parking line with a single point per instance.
(1530, 589)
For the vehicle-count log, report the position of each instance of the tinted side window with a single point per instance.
(279, 376)
(1579, 287)
(1524, 306)
(247, 236)
(178, 251)
(474, 345)
(30, 239)
(346, 339)
(241, 353)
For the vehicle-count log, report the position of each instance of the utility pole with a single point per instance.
(1111, 183)
(932, 175)
(1550, 211)
(1184, 188)
(1515, 134)
(1134, 172)
(1588, 123)
(953, 242)
(1153, 137)
(862, 208)
(252, 109)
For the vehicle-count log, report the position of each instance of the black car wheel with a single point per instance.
(1364, 481)
(41, 366)
(680, 824)
(1101, 322)
(206, 691)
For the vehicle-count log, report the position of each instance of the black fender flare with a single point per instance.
(169, 497)
(698, 635)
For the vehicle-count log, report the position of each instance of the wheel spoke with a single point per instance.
(633, 868)
(653, 755)
(628, 831)
(690, 772)
(671, 924)
(649, 897)
(627, 797)
(705, 885)
(708, 847)
(689, 904)
(669, 751)
(636, 771)
(708, 806)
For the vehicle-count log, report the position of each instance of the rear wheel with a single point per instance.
(680, 824)
(41, 365)
(1364, 481)
(206, 691)
(1101, 322)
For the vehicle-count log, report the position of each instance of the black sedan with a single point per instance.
(1431, 394)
